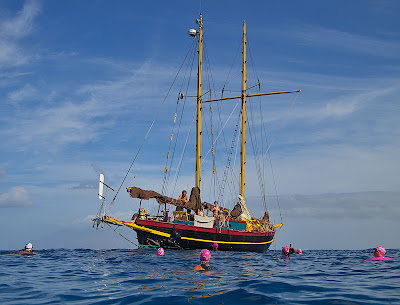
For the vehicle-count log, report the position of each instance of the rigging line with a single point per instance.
(270, 162)
(276, 189)
(180, 121)
(102, 203)
(229, 155)
(255, 153)
(183, 153)
(151, 126)
(170, 161)
(230, 70)
(235, 186)
(253, 64)
(181, 117)
(208, 65)
(262, 127)
(223, 127)
(276, 134)
(221, 21)
(115, 230)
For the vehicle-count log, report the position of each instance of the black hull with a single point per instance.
(176, 236)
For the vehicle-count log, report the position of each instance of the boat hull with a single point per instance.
(152, 233)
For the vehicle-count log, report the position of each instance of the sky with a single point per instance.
(82, 81)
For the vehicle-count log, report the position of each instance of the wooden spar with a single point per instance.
(198, 133)
(249, 95)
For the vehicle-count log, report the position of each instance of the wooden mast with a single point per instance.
(243, 159)
(243, 97)
(198, 129)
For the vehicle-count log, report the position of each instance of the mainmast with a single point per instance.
(198, 129)
(243, 97)
(242, 171)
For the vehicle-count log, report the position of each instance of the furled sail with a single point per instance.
(244, 214)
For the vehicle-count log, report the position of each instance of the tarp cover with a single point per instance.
(194, 202)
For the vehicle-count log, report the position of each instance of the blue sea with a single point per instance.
(141, 277)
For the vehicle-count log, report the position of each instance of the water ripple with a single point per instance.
(86, 276)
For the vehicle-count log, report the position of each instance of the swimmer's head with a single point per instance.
(205, 255)
(381, 250)
(160, 251)
(28, 247)
(285, 250)
(299, 251)
(215, 246)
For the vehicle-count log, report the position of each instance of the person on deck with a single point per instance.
(205, 256)
(182, 197)
(200, 211)
(379, 254)
(216, 209)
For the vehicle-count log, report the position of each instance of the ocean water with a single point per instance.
(141, 277)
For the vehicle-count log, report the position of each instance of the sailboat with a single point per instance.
(231, 229)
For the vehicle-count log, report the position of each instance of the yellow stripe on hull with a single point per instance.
(227, 242)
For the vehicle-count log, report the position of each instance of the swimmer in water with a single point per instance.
(299, 251)
(205, 256)
(379, 254)
(285, 251)
(160, 251)
(215, 246)
(27, 250)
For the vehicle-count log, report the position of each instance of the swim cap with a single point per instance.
(215, 246)
(381, 250)
(205, 255)
(160, 251)
(285, 249)
(28, 246)
(299, 251)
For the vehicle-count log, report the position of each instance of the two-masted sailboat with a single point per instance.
(232, 230)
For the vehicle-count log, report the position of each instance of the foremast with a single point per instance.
(244, 80)
(199, 84)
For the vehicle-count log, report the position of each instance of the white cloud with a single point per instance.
(27, 92)
(317, 36)
(16, 197)
(22, 24)
(12, 30)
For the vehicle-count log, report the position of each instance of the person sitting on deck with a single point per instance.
(200, 211)
(182, 197)
(205, 256)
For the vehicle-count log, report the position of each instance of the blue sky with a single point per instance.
(81, 82)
